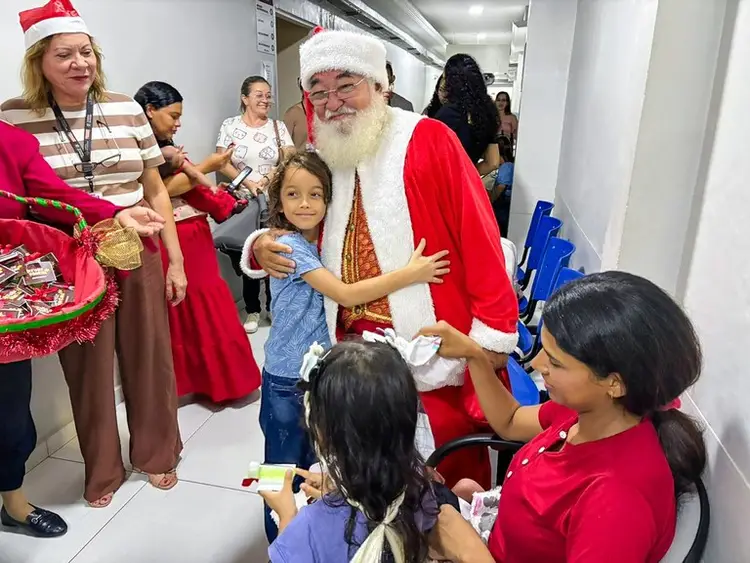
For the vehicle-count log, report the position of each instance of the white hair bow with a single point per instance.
(311, 360)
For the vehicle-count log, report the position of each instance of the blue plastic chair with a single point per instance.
(557, 256)
(548, 227)
(521, 385)
(542, 209)
(525, 339)
(566, 275)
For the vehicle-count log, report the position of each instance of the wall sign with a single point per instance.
(265, 25)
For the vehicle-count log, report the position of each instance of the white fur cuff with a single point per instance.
(246, 254)
(492, 339)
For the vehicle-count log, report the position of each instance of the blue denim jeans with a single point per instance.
(282, 422)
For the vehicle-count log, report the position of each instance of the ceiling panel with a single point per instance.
(452, 19)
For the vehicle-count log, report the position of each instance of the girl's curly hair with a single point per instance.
(309, 161)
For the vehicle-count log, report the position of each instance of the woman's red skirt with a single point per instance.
(211, 351)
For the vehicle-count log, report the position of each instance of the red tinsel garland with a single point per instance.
(50, 339)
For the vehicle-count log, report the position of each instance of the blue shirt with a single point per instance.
(318, 532)
(298, 316)
(505, 175)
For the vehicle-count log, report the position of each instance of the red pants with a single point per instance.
(449, 420)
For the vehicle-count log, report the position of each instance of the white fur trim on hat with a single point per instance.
(342, 50)
(53, 26)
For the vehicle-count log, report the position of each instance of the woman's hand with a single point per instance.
(453, 539)
(266, 251)
(176, 283)
(217, 161)
(146, 222)
(282, 502)
(454, 343)
(253, 187)
(428, 269)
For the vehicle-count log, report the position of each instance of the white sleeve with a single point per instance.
(224, 139)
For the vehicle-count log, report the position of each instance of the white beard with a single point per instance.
(345, 144)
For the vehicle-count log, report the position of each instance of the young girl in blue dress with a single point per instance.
(299, 195)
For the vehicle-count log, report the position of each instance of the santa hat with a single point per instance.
(57, 16)
(345, 51)
(339, 50)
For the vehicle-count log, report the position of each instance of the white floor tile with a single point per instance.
(189, 524)
(190, 417)
(258, 342)
(58, 485)
(39, 454)
(72, 450)
(221, 450)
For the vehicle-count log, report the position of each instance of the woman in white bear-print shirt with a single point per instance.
(259, 142)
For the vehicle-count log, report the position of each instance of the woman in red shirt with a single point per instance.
(23, 171)
(605, 460)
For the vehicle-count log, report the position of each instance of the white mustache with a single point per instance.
(341, 111)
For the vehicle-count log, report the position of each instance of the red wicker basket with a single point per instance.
(95, 296)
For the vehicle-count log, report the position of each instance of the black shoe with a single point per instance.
(40, 523)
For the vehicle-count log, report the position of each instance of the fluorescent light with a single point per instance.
(481, 36)
(476, 10)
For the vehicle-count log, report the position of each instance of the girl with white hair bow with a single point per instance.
(361, 406)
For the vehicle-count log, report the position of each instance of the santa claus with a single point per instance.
(399, 177)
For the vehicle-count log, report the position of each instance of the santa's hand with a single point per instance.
(266, 251)
(428, 269)
(453, 343)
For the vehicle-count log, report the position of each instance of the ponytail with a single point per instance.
(681, 439)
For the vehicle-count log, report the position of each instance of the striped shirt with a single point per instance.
(123, 145)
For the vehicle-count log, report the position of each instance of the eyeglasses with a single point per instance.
(343, 92)
(89, 167)
(266, 97)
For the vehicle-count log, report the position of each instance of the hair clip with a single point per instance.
(311, 361)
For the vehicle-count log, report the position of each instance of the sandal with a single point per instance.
(162, 481)
(103, 502)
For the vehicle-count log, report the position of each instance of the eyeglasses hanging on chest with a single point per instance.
(85, 150)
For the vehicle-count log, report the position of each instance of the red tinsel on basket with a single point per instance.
(90, 241)
(48, 340)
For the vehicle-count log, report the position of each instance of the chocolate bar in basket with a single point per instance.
(31, 284)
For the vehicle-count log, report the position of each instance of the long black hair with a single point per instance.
(615, 322)
(505, 146)
(247, 85)
(465, 88)
(157, 95)
(363, 419)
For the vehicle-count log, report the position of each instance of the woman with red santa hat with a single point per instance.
(24, 172)
(100, 142)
